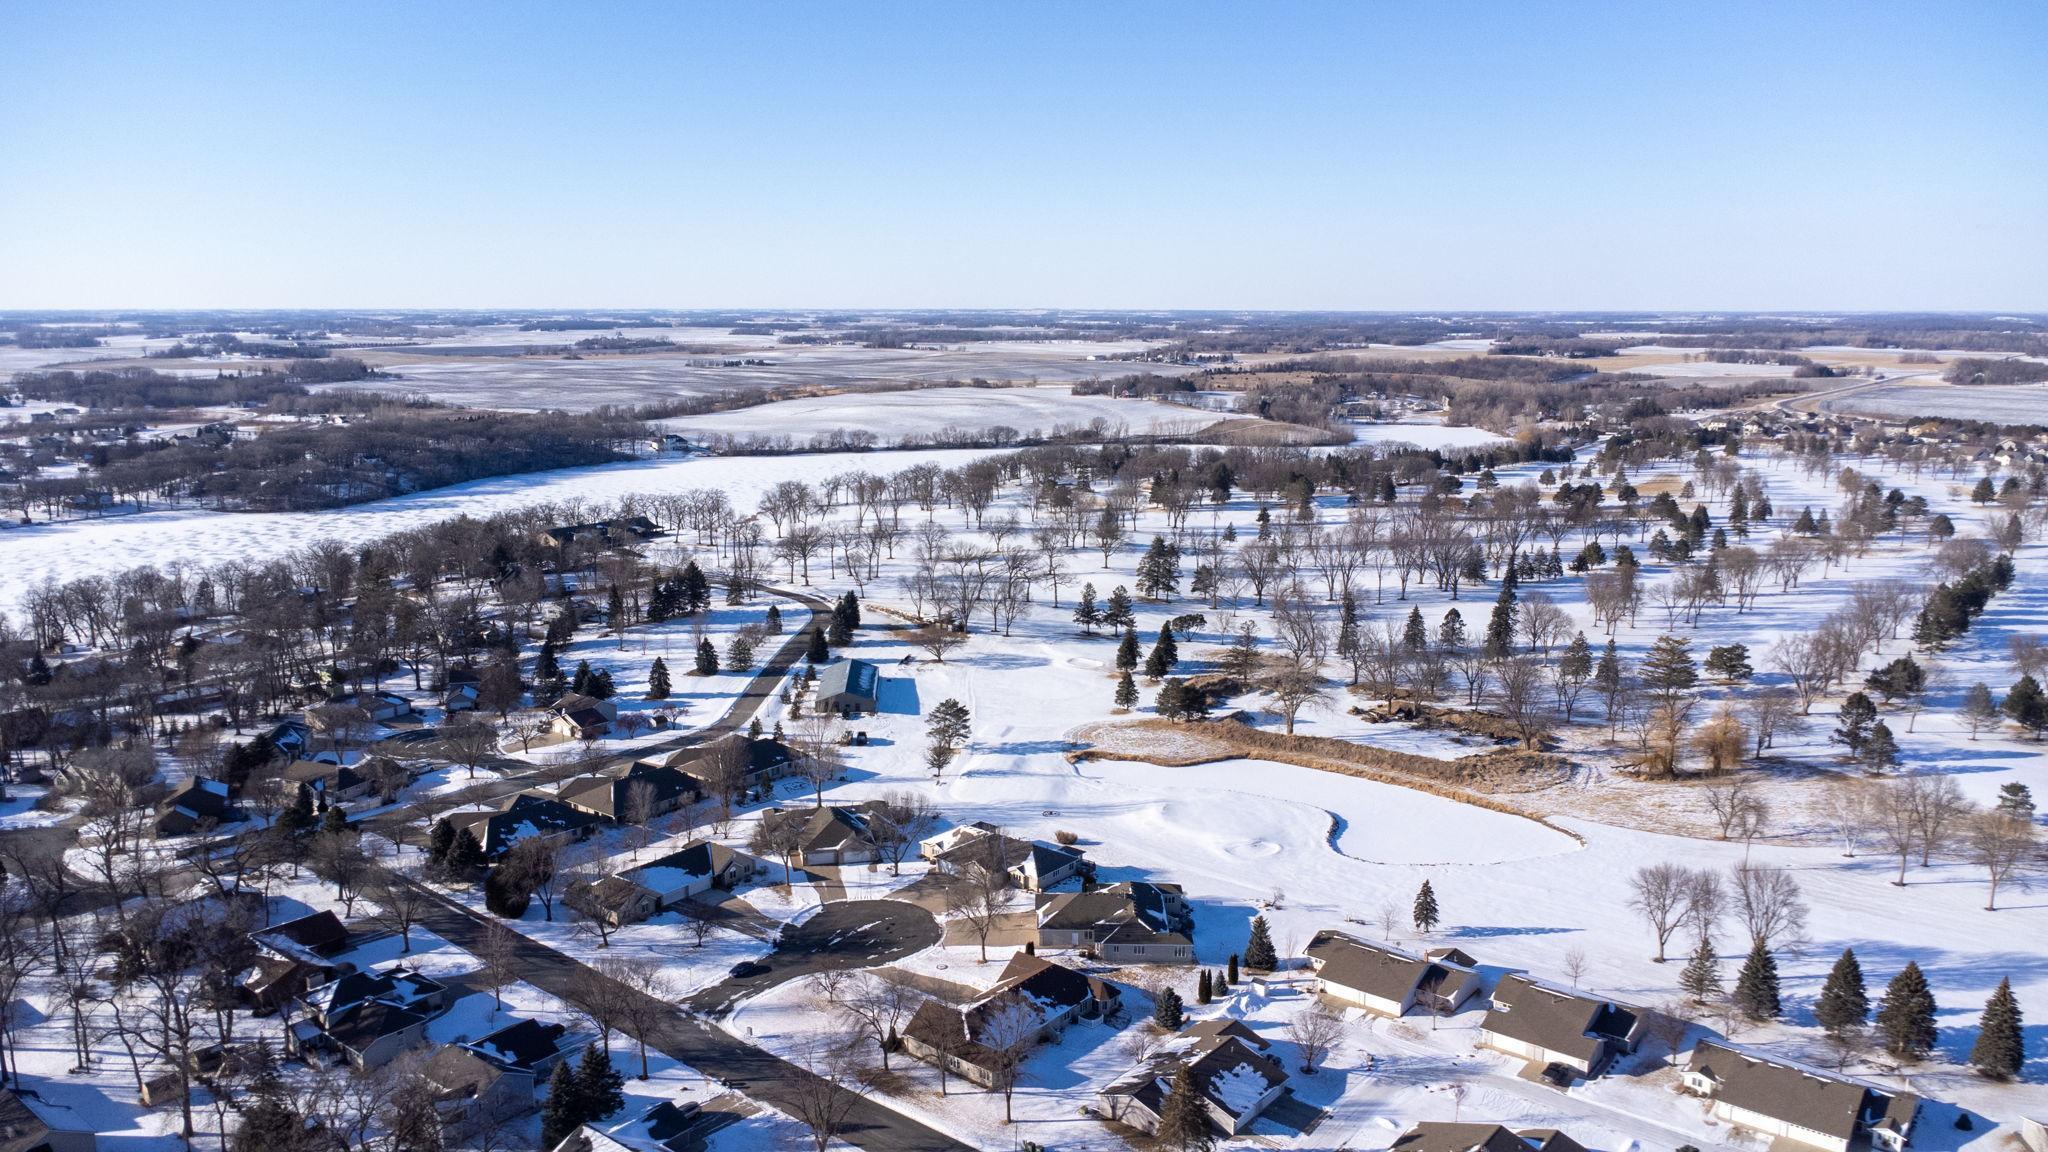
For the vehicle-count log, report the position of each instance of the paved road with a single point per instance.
(745, 707)
(848, 934)
(741, 1066)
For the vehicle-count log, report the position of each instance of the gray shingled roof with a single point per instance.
(1792, 1092)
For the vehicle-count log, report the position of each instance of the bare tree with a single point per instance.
(1293, 687)
(401, 903)
(879, 1009)
(1575, 964)
(536, 862)
(824, 1100)
(1894, 811)
(1314, 1031)
(646, 999)
(1771, 712)
(639, 813)
(1770, 904)
(906, 819)
(937, 639)
(499, 952)
(1938, 806)
(1009, 1028)
(1845, 805)
(1999, 842)
(1659, 892)
(1519, 694)
(980, 893)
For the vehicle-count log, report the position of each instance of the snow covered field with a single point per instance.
(2005, 404)
(70, 549)
(893, 415)
(587, 382)
(1421, 434)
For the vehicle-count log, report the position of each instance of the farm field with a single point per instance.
(890, 416)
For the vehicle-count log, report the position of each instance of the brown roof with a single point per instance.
(1792, 1092)
(1443, 1136)
(1557, 1020)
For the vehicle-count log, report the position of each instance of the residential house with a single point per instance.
(460, 697)
(1550, 1026)
(523, 815)
(1033, 1002)
(1032, 865)
(610, 795)
(291, 958)
(201, 800)
(1793, 1102)
(367, 1018)
(834, 835)
(696, 867)
(1446, 1136)
(1131, 923)
(382, 707)
(666, 1127)
(619, 532)
(290, 737)
(580, 717)
(1388, 981)
(847, 687)
(613, 899)
(495, 1078)
(330, 783)
(27, 1124)
(1231, 1066)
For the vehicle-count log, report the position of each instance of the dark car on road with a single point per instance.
(746, 968)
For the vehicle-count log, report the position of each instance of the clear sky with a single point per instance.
(962, 154)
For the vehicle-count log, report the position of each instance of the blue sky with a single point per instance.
(1257, 155)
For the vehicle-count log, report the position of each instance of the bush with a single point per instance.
(504, 896)
(1065, 838)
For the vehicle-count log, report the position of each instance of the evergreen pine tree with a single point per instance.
(600, 1088)
(1756, 986)
(1164, 655)
(1450, 635)
(547, 670)
(1906, 1016)
(707, 658)
(442, 842)
(615, 609)
(563, 1112)
(773, 621)
(658, 685)
(1347, 629)
(298, 816)
(600, 685)
(1127, 652)
(739, 655)
(1425, 908)
(2026, 706)
(816, 651)
(1126, 691)
(334, 820)
(1880, 751)
(1086, 614)
(1183, 1117)
(1500, 627)
(1230, 971)
(695, 590)
(1667, 667)
(1117, 611)
(838, 633)
(1258, 950)
(2001, 1046)
(1701, 978)
(468, 854)
(1203, 991)
(1843, 1003)
(268, 1122)
(580, 683)
(1852, 722)
(1415, 634)
(1167, 1011)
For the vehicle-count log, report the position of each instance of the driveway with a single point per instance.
(849, 934)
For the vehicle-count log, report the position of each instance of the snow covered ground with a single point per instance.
(891, 416)
(1421, 434)
(2006, 404)
(71, 549)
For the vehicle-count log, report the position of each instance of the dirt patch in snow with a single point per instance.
(1466, 780)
